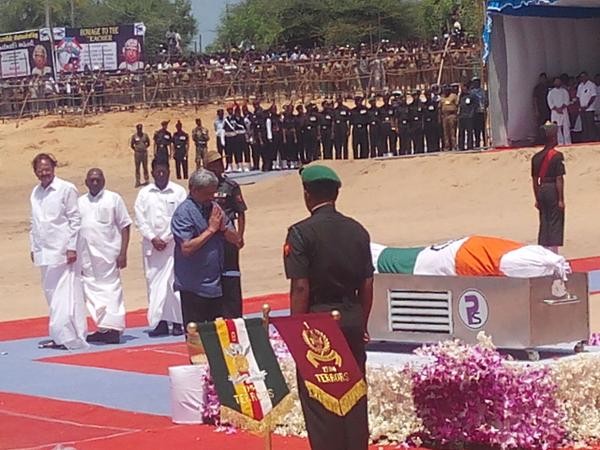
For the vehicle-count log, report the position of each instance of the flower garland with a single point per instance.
(469, 395)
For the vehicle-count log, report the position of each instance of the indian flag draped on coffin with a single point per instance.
(471, 256)
(247, 377)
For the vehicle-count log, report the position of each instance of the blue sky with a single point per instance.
(208, 13)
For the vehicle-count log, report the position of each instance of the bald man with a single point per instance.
(103, 242)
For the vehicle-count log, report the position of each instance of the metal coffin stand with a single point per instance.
(518, 313)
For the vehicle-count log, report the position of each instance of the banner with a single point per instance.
(23, 54)
(323, 359)
(108, 48)
(245, 371)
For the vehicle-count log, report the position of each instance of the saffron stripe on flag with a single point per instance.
(242, 394)
(234, 329)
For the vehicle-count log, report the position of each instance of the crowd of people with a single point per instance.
(198, 79)
(573, 103)
(255, 137)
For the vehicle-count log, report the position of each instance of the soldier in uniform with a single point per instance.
(432, 123)
(547, 172)
(374, 128)
(289, 138)
(403, 120)
(311, 135)
(341, 129)
(200, 137)
(359, 119)
(449, 118)
(181, 147)
(229, 197)
(163, 141)
(300, 119)
(417, 131)
(259, 129)
(139, 143)
(326, 129)
(466, 119)
(327, 257)
(387, 115)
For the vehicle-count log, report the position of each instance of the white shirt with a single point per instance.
(585, 92)
(55, 222)
(154, 209)
(557, 98)
(103, 217)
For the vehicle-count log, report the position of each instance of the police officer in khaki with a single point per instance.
(139, 143)
(200, 137)
(449, 118)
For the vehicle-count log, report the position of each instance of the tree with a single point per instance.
(316, 22)
(436, 15)
(157, 15)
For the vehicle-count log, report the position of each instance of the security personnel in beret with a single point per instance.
(548, 171)
(341, 129)
(229, 197)
(163, 142)
(327, 257)
(359, 119)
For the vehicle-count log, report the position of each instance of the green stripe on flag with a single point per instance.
(265, 357)
(218, 368)
(398, 260)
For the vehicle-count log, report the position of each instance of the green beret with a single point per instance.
(319, 173)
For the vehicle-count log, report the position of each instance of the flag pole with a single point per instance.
(268, 441)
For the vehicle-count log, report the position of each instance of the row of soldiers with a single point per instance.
(390, 125)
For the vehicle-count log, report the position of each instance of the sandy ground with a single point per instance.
(402, 202)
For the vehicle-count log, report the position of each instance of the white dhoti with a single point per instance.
(103, 290)
(564, 126)
(64, 294)
(164, 302)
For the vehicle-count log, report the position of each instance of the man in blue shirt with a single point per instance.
(200, 229)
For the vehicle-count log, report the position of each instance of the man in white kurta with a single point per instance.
(103, 241)
(154, 208)
(55, 222)
(558, 102)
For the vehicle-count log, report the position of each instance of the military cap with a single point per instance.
(211, 157)
(319, 173)
(549, 128)
(165, 122)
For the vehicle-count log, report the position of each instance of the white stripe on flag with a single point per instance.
(261, 387)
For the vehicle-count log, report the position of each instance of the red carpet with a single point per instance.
(149, 359)
(38, 327)
(585, 264)
(32, 422)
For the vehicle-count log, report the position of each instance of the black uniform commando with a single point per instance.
(181, 147)
(341, 129)
(163, 140)
(229, 197)
(327, 257)
(359, 119)
(326, 129)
